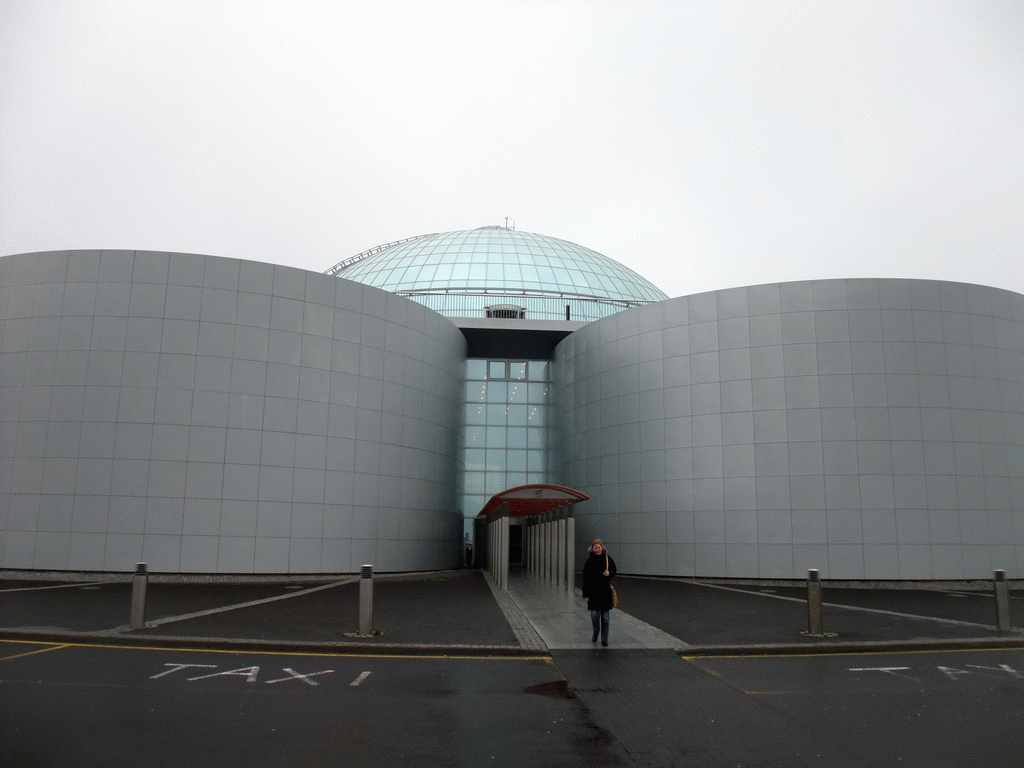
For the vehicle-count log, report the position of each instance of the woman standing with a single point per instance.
(598, 572)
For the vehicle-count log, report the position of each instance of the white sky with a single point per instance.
(705, 144)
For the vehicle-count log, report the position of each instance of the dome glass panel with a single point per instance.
(460, 274)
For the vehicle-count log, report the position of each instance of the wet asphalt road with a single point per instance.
(88, 706)
(97, 706)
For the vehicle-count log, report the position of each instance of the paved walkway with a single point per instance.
(562, 622)
(462, 612)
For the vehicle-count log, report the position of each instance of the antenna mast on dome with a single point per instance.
(513, 224)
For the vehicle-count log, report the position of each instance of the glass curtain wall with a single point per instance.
(506, 427)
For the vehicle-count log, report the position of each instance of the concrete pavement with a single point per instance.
(461, 612)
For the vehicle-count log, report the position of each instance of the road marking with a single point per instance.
(33, 653)
(922, 673)
(78, 584)
(249, 673)
(1014, 649)
(862, 609)
(293, 675)
(236, 606)
(360, 679)
(256, 651)
(954, 674)
(1004, 667)
(179, 667)
(894, 671)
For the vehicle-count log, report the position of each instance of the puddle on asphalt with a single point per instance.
(558, 689)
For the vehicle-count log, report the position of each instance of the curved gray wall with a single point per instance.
(868, 428)
(203, 414)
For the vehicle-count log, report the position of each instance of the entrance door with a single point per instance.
(515, 545)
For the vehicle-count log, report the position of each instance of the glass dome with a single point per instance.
(499, 272)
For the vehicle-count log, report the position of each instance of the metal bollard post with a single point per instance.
(1002, 593)
(139, 582)
(814, 603)
(366, 600)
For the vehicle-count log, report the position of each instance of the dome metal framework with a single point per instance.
(469, 273)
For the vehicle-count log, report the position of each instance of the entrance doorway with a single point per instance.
(515, 545)
(530, 527)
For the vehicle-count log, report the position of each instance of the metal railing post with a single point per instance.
(1002, 595)
(140, 580)
(366, 600)
(813, 603)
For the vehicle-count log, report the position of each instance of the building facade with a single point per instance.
(211, 415)
(872, 429)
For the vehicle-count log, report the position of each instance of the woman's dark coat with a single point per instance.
(596, 585)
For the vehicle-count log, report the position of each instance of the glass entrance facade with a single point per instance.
(506, 427)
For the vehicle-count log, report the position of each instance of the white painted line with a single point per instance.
(74, 585)
(178, 668)
(952, 672)
(360, 679)
(293, 675)
(249, 673)
(894, 671)
(225, 608)
(1004, 667)
(862, 609)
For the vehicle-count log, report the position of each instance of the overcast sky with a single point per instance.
(705, 144)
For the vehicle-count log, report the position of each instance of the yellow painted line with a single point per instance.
(721, 678)
(33, 653)
(235, 652)
(893, 652)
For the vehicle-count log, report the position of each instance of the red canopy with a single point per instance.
(526, 500)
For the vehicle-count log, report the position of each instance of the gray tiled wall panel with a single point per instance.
(867, 428)
(212, 415)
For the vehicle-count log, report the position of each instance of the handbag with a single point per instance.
(615, 595)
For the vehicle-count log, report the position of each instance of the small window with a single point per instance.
(476, 370)
(506, 311)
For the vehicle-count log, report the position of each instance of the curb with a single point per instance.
(860, 646)
(266, 646)
(482, 651)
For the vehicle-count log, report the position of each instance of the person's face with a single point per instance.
(598, 549)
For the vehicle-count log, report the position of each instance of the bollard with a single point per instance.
(366, 600)
(139, 581)
(813, 603)
(1002, 593)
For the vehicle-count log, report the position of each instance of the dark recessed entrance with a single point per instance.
(515, 546)
(530, 526)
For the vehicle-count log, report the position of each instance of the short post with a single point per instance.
(366, 600)
(139, 582)
(814, 603)
(1002, 593)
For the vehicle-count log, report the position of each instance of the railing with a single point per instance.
(536, 307)
(342, 265)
